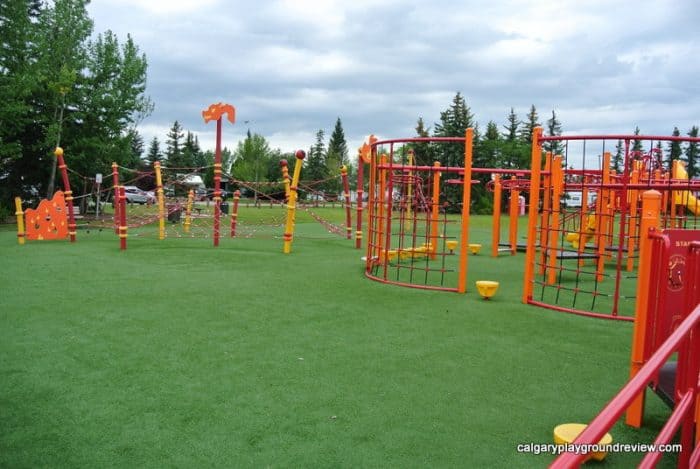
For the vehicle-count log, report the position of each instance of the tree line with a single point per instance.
(61, 86)
(508, 146)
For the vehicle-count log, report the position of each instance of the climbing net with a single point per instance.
(416, 234)
(192, 215)
(585, 235)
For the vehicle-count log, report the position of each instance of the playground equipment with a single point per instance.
(583, 258)
(214, 112)
(291, 204)
(566, 433)
(408, 216)
(52, 219)
(487, 288)
(516, 208)
(667, 322)
(685, 197)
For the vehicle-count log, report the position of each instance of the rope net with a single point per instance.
(195, 218)
(587, 227)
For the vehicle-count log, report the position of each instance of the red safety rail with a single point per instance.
(685, 340)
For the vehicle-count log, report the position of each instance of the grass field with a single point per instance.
(177, 354)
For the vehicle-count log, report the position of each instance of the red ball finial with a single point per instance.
(283, 163)
(300, 154)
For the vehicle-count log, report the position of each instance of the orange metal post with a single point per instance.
(20, 220)
(435, 212)
(67, 192)
(604, 223)
(633, 203)
(546, 211)
(513, 213)
(651, 205)
(371, 208)
(161, 202)
(535, 168)
(466, 202)
(554, 221)
(496, 219)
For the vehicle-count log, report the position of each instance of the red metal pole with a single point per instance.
(217, 183)
(122, 219)
(115, 186)
(67, 192)
(346, 193)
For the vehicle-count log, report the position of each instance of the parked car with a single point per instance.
(208, 194)
(134, 195)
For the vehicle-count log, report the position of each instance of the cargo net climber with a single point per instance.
(188, 210)
(417, 235)
(583, 230)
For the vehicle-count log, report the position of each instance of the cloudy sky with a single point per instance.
(291, 67)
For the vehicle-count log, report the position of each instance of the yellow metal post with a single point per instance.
(188, 211)
(291, 203)
(161, 202)
(20, 220)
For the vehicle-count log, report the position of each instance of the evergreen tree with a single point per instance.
(637, 146)
(173, 146)
(674, 149)
(453, 123)
(692, 154)
(618, 162)
(315, 167)
(191, 151)
(516, 154)
(154, 154)
(336, 156)
(529, 125)
(553, 129)
(58, 86)
(424, 153)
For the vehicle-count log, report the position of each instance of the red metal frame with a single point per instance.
(685, 339)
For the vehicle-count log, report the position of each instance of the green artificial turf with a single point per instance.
(177, 354)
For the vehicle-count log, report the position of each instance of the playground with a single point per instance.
(174, 353)
(143, 344)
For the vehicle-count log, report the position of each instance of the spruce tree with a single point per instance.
(637, 146)
(553, 129)
(692, 154)
(674, 149)
(453, 123)
(315, 167)
(617, 162)
(529, 125)
(154, 154)
(173, 146)
(336, 156)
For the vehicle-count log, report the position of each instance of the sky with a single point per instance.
(292, 67)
